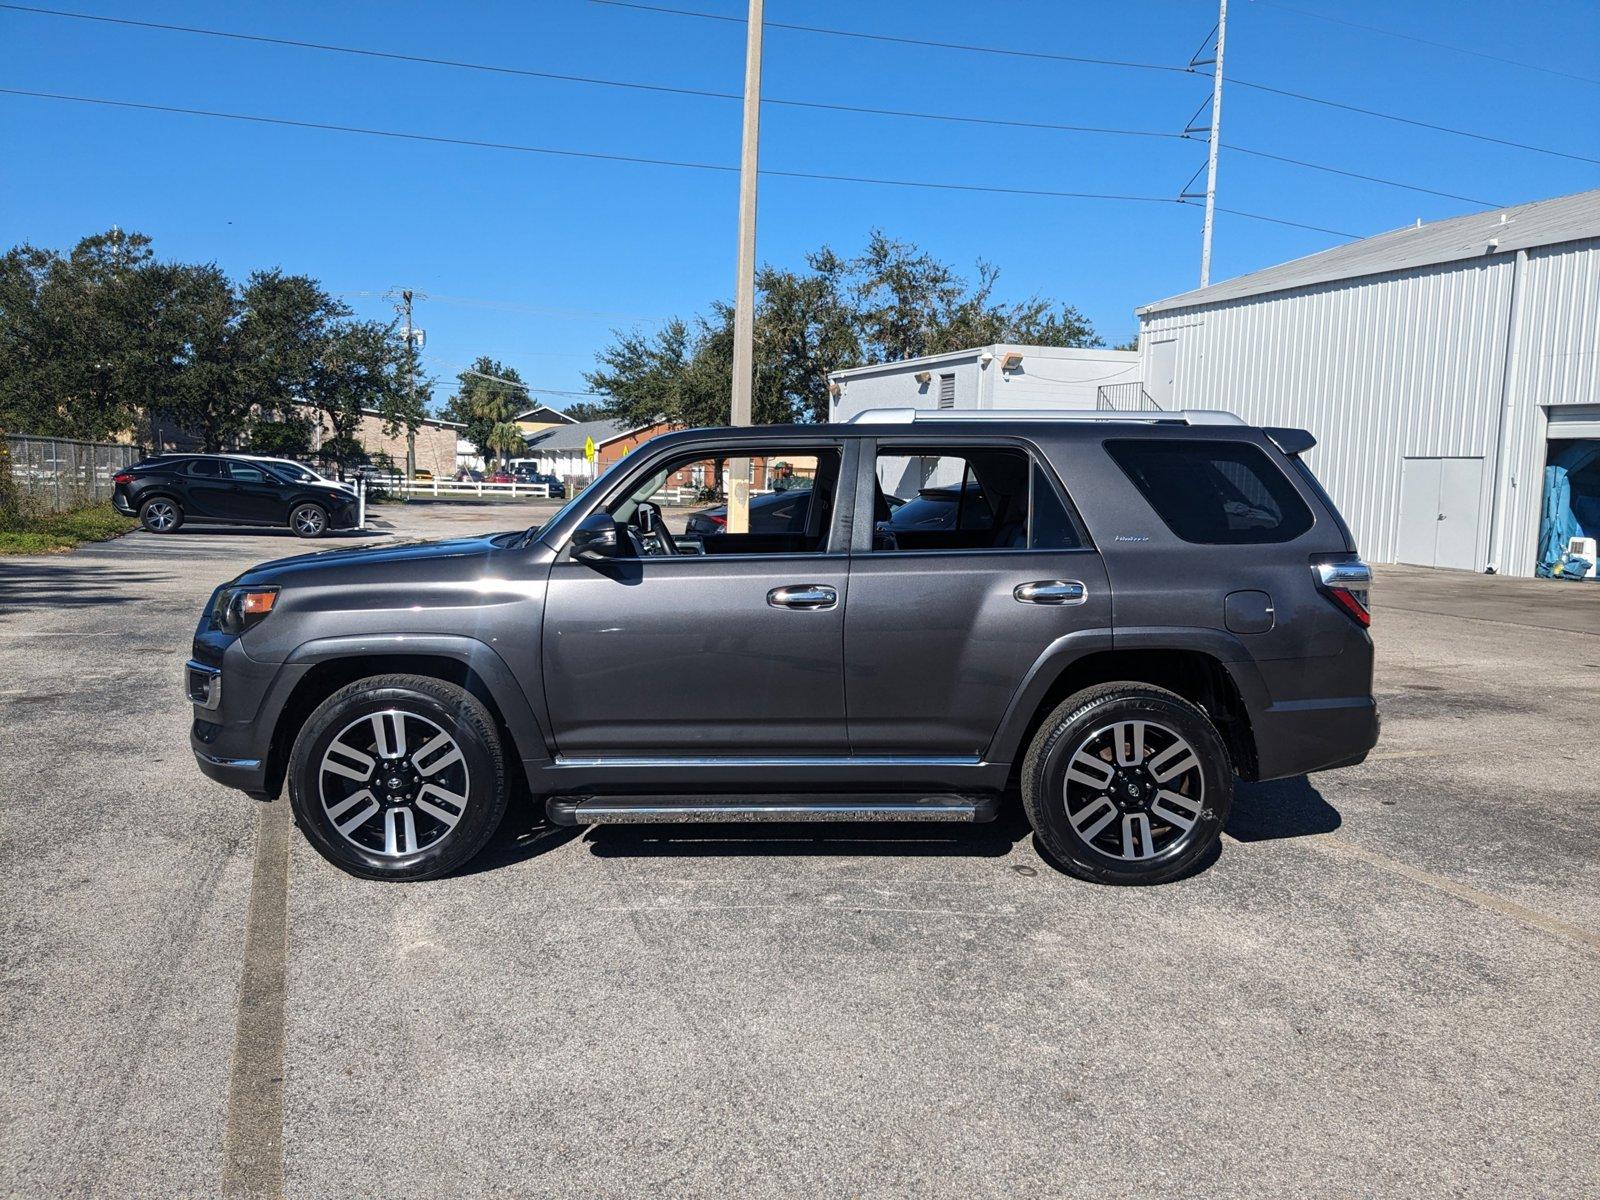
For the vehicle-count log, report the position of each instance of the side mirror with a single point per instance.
(595, 539)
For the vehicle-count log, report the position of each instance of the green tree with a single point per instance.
(488, 396)
(85, 346)
(892, 301)
(303, 345)
(585, 410)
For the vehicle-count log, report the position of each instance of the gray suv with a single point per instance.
(1123, 613)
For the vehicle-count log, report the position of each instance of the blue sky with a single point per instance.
(534, 259)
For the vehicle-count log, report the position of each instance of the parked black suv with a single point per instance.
(1135, 611)
(165, 491)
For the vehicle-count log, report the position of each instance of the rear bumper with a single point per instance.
(1297, 737)
(119, 501)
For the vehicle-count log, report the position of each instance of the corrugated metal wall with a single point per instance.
(1557, 362)
(1377, 369)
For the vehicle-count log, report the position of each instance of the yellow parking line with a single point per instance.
(1330, 844)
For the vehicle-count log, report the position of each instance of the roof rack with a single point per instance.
(922, 416)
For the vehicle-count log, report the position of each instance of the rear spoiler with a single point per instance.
(1291, 441)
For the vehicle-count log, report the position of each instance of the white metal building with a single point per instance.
(998, 376)
(1439, 366)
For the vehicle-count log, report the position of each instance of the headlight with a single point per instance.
(238, 608)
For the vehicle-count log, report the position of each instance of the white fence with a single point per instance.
(451, 488)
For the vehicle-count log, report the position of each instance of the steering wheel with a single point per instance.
(655, 539)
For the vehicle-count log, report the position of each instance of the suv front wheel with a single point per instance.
(1127, 783)
(398, 777)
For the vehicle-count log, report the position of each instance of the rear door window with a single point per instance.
(1214, 492)
(939, 498)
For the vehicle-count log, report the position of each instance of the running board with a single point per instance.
(913, 806)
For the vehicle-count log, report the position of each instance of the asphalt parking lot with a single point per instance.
(1388, 982)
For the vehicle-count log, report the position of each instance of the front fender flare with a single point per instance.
(525, 717)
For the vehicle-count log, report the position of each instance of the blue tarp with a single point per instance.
(1571, 501)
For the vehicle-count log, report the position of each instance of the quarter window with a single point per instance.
(1214, 492)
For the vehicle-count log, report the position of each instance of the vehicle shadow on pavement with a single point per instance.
(1284, 808)
(332, 535)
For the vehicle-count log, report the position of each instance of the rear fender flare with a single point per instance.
(1060, 655)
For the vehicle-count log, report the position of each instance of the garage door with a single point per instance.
(1573, 421)
(1439, 509)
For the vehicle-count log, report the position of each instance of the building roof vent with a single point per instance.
(947, 391)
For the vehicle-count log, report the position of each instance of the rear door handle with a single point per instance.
(803, 595)
(1051, 591)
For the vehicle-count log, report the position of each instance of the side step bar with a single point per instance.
(912, 806)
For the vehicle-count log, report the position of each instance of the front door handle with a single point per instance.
(1051, 591)
(803, 595)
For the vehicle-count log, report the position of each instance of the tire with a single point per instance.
(161, 515)
(308, 520)
(1115, 772)
(428, 808)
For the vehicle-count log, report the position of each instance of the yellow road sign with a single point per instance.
(589, 449)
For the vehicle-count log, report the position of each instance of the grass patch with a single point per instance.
(46, 533)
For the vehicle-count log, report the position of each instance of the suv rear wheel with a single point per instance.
(161, 515)
(1127, 783)
(398, 777)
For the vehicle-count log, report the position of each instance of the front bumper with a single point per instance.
(237, 702)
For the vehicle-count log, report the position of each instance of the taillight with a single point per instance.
(716, 520)
(1346, 584)
(124, 477)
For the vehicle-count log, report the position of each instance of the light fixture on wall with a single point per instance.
(985, 358)
(835, 388)
(923, 377)
(1011, 362)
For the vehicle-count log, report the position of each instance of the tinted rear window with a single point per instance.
(1213, 492)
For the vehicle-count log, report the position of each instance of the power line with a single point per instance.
(596, 81)
(440, 139)
(539, 310)
(1515, 62)
(588, 154)
(1370, 112)
(1373, 112)
(1299, 162)
(905, 41)
(1236, 212)
(700, 93)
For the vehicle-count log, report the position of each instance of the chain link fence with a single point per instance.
(57, 474)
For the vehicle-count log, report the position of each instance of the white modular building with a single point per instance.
(997, 376)
(1450, 373)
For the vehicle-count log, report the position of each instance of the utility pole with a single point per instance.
(414, 338)
(744, 290)
(411, 388)
(1216, 141)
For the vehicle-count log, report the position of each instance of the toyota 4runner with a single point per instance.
(1114, 614)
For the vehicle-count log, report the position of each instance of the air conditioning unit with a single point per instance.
(1586, 547)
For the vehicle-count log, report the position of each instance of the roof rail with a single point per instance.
(922, 416)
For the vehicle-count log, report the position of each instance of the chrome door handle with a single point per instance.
(803, 595)
(1051, 591)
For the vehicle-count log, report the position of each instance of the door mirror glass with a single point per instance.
(595, 539)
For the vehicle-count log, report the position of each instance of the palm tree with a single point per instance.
(506, 438)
